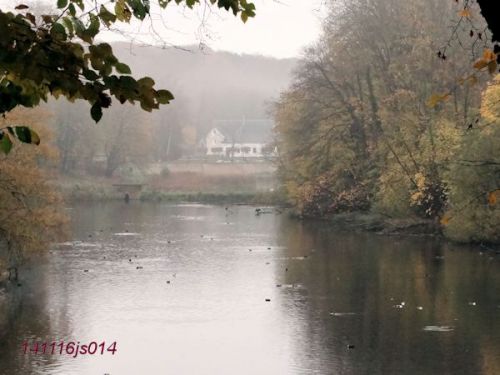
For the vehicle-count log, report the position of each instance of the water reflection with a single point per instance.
(198, 289)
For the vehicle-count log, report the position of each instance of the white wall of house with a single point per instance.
(247, 150)
(214, 139)
(216, 147)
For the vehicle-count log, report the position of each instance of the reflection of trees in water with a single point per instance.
(369, 274)
(24, 316)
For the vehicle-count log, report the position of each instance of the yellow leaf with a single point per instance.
(464, 13)
(445, 220)
(435, 99)
(489, 55)
(493, 197)
(480, 64)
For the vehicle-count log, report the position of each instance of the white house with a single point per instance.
(248, 139)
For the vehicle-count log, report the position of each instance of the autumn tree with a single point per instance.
(474, 177)
(30, 208)
(57, 54)
(357, 130)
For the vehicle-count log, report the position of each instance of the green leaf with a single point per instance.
(72, 10)
(23, 133)
(93, 28)
(58, 31)
(5, 143)
(140, 9)
(164, 96)
(79, 27)
(146, 81)
(69, 25)
(90, 74)
(96, 112)
(62, 4)
(106, 16)
(123, 68)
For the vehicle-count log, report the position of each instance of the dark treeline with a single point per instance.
(384, 115)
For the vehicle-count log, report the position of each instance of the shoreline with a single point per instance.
(367, 222)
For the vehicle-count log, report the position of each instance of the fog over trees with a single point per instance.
(209, 86)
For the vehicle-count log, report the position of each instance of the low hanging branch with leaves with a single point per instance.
(56, 54)
(22, 133)
(490, 59)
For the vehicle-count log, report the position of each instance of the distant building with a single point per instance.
(240, 139)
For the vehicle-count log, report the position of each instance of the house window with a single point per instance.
(255, 150)
(245, 150)
(216, 150)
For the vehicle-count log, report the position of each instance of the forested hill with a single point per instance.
(211, 84)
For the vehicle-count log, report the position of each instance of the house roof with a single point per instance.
(246, 131)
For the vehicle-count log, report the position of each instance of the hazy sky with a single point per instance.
(281, 28)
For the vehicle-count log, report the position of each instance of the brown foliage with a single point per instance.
(30, 215)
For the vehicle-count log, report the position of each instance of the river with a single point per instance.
(197, 289)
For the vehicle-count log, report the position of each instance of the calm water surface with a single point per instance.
(182, 289)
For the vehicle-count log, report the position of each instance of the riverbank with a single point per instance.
(373, 222)
(188, 188)
(232, 191)
(388, 226)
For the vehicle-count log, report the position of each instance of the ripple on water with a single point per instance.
(343, 313)
(189, 218)
(76, 244)
(438, 328)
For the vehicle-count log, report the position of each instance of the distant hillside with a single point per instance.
(208, 87)
(211, 85)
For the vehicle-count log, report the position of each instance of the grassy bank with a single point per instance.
(102, 189)
(264, 198)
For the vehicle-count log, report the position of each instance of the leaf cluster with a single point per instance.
(57, 55)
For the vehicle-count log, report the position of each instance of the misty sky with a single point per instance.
(281, 29)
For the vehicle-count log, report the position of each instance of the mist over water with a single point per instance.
(183, 289)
